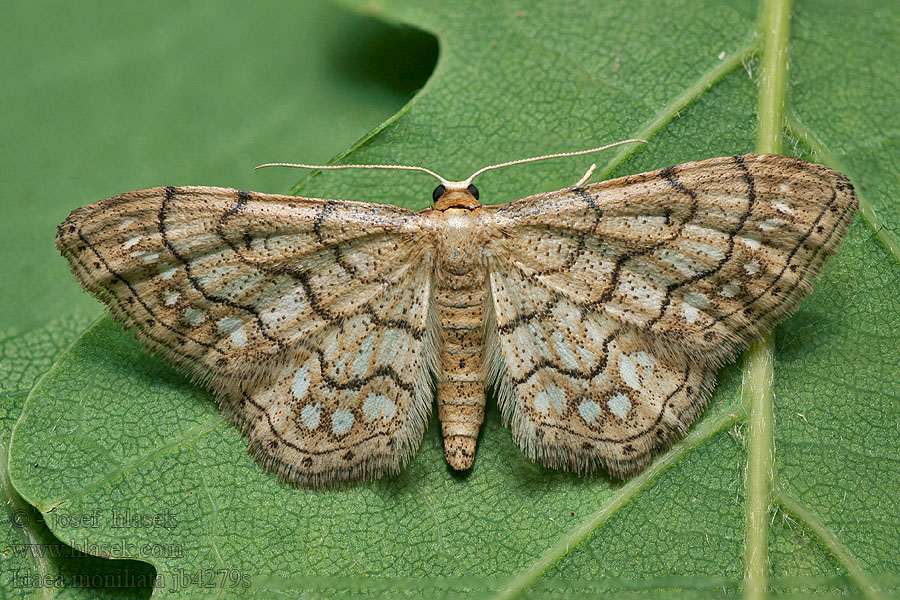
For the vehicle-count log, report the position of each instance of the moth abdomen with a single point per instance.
(460, 304)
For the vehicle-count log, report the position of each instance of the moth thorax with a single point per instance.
(459, 250)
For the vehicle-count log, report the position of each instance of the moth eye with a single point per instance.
(473, 190)
(438, 192)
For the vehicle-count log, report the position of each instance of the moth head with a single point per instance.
(455, 194)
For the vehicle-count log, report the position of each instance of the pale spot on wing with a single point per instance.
(188, 242)
(341, 421)
(564, 351)
(286, 308)
(239, 337)
(228, 324)
(169, 273)
(338, 366)
(237, 285)
(711, 244)
(771, 224)
(216, 274)
(594, 328)
(644, 359)
(619, 405)
(696, 299)
(730, 290)
(171, 297)
(277, 416)
(520, 344)
(551, 396)
(125, 223)
(311, 414)
(684, 264)
(300, 383)
(589, 411)
(649, 223)
(690, 313)
(360, 365)
(642, 290)
(752, 267)
(377, 405)
(693, 303)
(629, 373)
(783, 205)
(194, 316)
(750, 243)
(132, 242)
(146, 255)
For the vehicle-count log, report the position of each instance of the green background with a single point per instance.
(101, 99)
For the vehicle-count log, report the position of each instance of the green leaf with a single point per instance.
(34, 560)
(112, 428)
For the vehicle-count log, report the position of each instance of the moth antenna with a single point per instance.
(393, 167)
(546, 156)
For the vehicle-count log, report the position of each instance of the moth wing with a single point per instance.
(353, 400)
(582, 390)
(247, 292)
(678, 268)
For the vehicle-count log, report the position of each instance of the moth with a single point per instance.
(599, 313)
